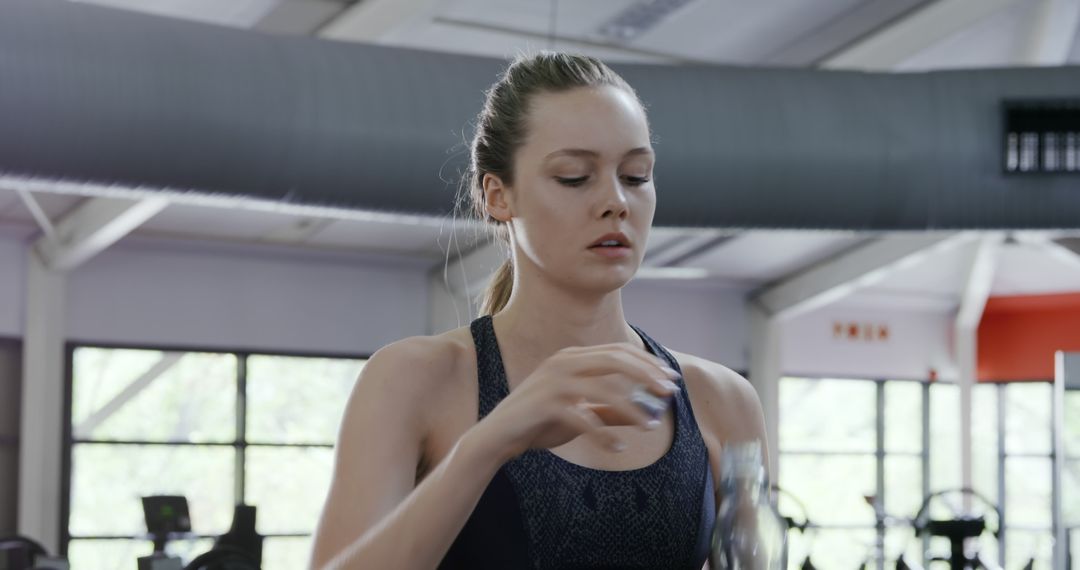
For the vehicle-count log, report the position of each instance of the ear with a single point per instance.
(497, 198)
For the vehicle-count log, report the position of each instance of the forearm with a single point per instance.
(419, 532)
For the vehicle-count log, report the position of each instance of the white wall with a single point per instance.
(162, 292)
(917, 342)
(159, 292)
(697, 318)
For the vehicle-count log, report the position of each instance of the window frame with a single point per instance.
(239, 443)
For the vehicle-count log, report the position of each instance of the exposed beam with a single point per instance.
(372, 20)
(573, 43)
(832, 280)
(91, 423)
(88, 230)
(979, 273)
(979, 270)
(42, 420)
(765, 375)
(859, 22)
(909, 35)
(297, 231)
(38, 214)
(1053, 29)
(301, 17)
(688, 248)
(94, 226)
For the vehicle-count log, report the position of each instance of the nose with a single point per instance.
(614, 200)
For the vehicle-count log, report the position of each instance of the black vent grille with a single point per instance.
(1042, 137)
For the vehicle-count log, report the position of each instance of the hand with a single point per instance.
(578, 391)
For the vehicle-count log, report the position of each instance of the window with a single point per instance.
(842, 441)
(218, 428)
(845, 439)
(1070, 499)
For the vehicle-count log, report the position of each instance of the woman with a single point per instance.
(541, 435)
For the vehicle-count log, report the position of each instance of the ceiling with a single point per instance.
(884, 35)
(940, 33)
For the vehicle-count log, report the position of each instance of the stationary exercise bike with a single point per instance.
(964, 525)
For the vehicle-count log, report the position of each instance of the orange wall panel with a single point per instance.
(1018, 336)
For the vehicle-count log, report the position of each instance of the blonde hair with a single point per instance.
(501, 130)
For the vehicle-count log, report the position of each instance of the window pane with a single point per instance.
(903, 417)
(297, 400)
(831, 487)
(188, 549)
(288, 487)
(150, 395)
(1021, 546)
(1027, 417)
(833, 548)
(833, 415)
(902, 540)
(286, 553)
(1072, 423)
(108, 481)
(984, 437)
(945, 437)
(1075, 533)
(903, 485)
(1070, 499)
(1028, 491)
(107, 554)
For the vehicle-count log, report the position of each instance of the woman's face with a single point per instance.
(583, 171)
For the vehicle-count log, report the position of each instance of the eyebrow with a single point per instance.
(641, 150)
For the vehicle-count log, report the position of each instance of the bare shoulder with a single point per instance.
(414, 371)
(419, 363)
(725, 403)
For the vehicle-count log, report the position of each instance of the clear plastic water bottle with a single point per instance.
(749, 533)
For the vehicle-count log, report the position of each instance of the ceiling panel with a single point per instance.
(998, 40)
(940, 273)
(765, 256)
(743, 31)
(236, 13)
(1031, 269)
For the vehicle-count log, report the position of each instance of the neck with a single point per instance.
(542, 318)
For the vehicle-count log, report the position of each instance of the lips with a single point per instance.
(619, 237)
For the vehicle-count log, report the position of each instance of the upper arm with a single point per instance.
(379, 444)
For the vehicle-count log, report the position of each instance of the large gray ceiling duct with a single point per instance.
(89, 94)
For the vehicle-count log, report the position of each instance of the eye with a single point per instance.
(636, 180)
(572, 181)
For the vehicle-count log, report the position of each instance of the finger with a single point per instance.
(585, 421)
(625, 365)
(647, 358)
(626, 395)
(624, 402)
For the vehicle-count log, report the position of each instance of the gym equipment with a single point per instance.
(242, 535)
(959, 529)
(19, 553)
(223, 558)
